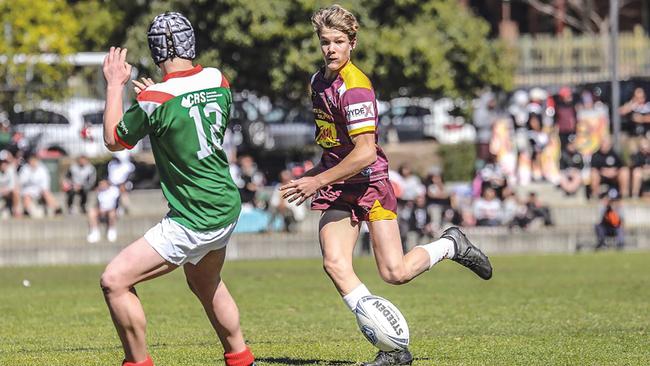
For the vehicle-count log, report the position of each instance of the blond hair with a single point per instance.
(338, 18)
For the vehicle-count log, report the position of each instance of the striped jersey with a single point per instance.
(345, 107)
(185, 117)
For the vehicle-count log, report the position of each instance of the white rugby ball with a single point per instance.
(382, 323)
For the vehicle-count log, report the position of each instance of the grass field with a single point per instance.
(588, 309)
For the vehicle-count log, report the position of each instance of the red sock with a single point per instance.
(243, 358)
(147, 362)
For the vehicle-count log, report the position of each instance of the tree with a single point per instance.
(29, 30)
(406, 46)
(582, 15)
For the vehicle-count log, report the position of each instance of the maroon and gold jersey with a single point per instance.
(345, 107)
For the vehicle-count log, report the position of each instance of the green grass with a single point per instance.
(589, 309)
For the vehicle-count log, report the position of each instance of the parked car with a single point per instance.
(73, 127)
(290, 128)
(413, 119)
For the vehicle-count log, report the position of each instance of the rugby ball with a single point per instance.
(382, 323)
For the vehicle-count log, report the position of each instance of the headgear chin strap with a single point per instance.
(171, 35)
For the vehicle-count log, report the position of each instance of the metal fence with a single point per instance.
(575, 59)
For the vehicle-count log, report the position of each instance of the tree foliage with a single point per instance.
(433, 47)
(29, 29)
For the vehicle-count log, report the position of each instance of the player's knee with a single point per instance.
(394, 276)
(336, 267)
(111, 282)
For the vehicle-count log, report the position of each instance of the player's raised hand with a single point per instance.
(142, 85)
(300, 189)
(116, 70)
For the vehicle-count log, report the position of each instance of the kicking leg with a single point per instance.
(205, 282)
(395, 267)
(136, 263)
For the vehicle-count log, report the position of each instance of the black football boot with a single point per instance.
(399, 357)
(467, 254)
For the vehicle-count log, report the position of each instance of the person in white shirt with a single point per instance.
(106, 210)
(290, 212)
(35, 186)
(79, 180)
(488, 209)
(9, 190)
(119, 170)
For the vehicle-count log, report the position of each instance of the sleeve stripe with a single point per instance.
(224, 81)
(154, 96)
(361, 130)
(120, 141)
(363, 124)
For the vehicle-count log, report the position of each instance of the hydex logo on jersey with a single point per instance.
(359, 111)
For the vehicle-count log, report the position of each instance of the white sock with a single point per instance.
(355, 295)
(439, 250)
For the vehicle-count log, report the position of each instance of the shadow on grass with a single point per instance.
(298, 361)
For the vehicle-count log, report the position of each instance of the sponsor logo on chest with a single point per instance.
(199, 97)
(359, 111)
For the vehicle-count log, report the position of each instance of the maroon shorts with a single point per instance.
(370, 201)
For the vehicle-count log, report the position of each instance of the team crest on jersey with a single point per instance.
(322, 115)
(327, 136)
(359, 111)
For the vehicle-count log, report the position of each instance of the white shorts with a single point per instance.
(179, 245)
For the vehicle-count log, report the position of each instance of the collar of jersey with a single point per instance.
(179, 74)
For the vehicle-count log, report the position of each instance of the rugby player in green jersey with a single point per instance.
(185, 117)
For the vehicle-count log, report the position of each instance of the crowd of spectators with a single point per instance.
(553, 141)
(25, 190)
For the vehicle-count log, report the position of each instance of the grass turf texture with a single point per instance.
(588, 309)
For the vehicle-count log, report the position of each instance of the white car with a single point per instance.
(73, 127)
(412, 119)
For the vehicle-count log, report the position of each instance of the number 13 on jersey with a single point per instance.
(205, 148)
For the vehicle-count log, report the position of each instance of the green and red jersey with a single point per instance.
(185, 117)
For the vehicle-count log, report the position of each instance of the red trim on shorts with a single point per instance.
(243, 358)
(120, 141)
(180, 74)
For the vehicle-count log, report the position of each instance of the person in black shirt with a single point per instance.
(571, 165)
(607, 168)
(641, 169)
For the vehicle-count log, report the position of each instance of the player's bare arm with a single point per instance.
(363, 154)
(117, 73)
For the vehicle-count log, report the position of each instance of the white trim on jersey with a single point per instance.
(364, 124)
(207, 78)
(342, 89)
(148, 106)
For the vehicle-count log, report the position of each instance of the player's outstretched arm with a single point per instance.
(117, 73)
